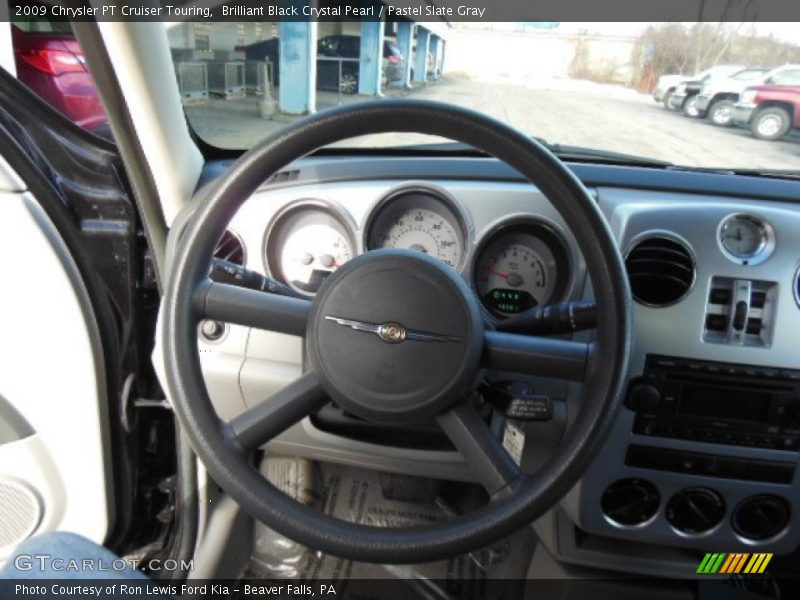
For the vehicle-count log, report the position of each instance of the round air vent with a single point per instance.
(660, 271)
(231, 248)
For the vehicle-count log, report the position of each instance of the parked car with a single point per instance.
(667, 84)
(770, 111)
(718, 96)
(50, 62)
(328, 75)
(349, 46)
(684, 98)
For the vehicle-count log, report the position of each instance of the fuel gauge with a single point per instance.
(306, 243)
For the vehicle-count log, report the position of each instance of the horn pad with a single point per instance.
(395, 337)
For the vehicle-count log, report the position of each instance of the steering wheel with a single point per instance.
(395, 336)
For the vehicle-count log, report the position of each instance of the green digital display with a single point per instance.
(509, 301)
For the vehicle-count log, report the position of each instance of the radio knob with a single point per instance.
(644, 398)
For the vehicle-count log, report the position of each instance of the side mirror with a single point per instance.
(769, 80)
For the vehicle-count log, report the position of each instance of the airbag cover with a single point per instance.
(395, 336)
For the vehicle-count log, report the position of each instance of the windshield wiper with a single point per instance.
(773, 173)
(581, 153)
(563, 151)
(584, 154)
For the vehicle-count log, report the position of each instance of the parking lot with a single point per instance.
(565, 111)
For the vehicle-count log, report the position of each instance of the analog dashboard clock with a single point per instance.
(746, 239)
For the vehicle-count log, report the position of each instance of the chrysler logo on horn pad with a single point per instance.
(391, 332)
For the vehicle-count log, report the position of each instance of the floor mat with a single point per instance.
(372, 498)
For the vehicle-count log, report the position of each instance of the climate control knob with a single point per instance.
(631, 501)
(695, 510)
(761, 517)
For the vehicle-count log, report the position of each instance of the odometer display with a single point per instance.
(509, 301)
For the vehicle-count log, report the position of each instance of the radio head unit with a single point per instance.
(717, 402)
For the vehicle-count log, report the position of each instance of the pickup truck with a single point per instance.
(684, 98)
(770, 111)
(717, 96)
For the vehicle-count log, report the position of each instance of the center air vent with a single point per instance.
(230, 248)
(660, 271)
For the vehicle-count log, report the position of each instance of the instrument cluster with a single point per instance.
(519, 264)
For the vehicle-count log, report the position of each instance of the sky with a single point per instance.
(783, 31)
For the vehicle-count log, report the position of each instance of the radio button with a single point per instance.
(747, 439)
(708, 436)
(766, 441)
(646, 428)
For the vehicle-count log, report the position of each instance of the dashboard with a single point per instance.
(702, 455)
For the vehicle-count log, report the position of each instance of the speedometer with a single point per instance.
(519, 268)
(419, 221)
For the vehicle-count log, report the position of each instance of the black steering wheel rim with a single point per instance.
(529, 497)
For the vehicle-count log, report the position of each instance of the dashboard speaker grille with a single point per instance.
(230, 248)
(20, 513)
(660, 270)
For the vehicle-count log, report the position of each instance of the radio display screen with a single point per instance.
(725, 403)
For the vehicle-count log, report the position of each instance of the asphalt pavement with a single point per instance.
(563, 111)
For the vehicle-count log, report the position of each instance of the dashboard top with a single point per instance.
(340, 166)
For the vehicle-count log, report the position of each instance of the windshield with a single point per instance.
(750, 74)
(600, 87)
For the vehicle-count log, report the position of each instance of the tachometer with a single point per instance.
(306, 243)
(519, 268)
(420, 221)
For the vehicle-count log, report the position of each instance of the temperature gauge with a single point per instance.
(306, 244)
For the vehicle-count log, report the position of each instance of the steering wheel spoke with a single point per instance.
(261, 423)
(252, 308)
(483, 452)
(531, 355)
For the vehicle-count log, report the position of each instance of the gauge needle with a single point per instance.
(502, 274)
(513, 279)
